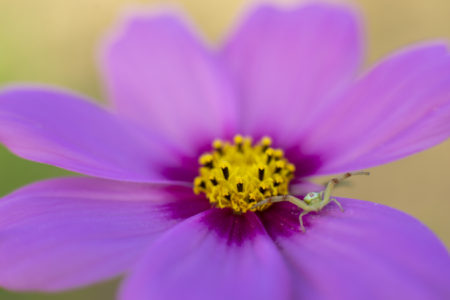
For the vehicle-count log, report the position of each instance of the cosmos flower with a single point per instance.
(289, 82)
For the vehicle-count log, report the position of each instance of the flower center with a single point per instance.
(239, 175)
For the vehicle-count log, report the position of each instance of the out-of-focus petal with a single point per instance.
(159, 73)
(65, 130)
(287, 63)
(214, 255)
(300, 186)
(64, 233)
(400, 107)
(368, 252)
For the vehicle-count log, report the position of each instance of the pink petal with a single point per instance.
(64, 233)
(287, 63)
(214, 255)
(400, 107)
(65, 130)
(159, 73)
(368, 252)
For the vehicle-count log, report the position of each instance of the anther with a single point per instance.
(277, 180)
(225, 170)
(252, 197)
(262, 190)
(226, 173)
(199, 185)
(290, 169)
(269, 154)
(218, 146)
(214, 181)
(278, 166)
(278, 154)
(238, 141)
(240, 184)
(261, 173)
(227, 196)
(266, 142)
(207, 161)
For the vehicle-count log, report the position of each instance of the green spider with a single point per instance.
(312, 201)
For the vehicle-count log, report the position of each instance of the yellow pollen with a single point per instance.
(239, 175)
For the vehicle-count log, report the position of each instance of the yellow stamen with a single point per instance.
(238, 175)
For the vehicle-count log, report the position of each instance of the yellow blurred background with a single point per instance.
(55, 42)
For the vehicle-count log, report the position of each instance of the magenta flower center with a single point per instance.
(239, 175)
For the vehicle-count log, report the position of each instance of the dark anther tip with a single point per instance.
(226, 173)
(261, 174)
(209, 165)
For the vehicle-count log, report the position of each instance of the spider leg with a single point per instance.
(347, 175)
(272, 199)
(289, 198)
(338, 204)
(300, 218)
(333, 182)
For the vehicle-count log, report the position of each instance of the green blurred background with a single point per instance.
(55, 42)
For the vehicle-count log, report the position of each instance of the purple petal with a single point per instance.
(368, 252)
(64, 233)
(400, 107)
(287, 63)
(159, 73)
(214, 255)
(64, 130)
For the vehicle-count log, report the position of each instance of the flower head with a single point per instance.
(241, 175)
(280, 101)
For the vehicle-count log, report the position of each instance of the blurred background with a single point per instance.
(55, 42)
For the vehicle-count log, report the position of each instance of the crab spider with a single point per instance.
(312, 201)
